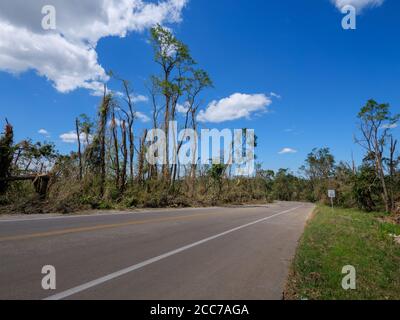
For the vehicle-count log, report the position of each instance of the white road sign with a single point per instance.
(331, 194)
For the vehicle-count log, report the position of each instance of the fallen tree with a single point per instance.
(40, 182)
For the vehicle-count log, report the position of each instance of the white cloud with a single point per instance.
(275, 95)
(390, 126)
(44, 132)
(67, 56)
(358, 4)
(118, 122)
(139, 115)
(287, 151)
(235, 107)
(139, 98)
(142, 117)
(71, 137)
(183, 108)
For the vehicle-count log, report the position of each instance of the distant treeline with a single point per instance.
(109, 169)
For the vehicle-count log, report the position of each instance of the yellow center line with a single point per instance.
(98, 227)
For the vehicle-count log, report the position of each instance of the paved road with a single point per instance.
(211, 253)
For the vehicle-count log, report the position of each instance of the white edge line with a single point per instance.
(143, 264)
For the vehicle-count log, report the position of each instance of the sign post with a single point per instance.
(332, 195)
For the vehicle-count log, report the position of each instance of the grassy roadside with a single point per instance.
(333, 240)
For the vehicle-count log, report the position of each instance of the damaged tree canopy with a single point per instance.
(7, 148)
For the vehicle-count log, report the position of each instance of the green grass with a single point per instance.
(333, 240)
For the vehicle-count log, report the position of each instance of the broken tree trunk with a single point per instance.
(40, 182)
(6, 157)
(78, 137)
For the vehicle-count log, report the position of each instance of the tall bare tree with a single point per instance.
(375, 123)
(78, 138)
(141, 158)
(103, 115)
(124, 150)
(154, 92)
(130, 117)
(116, 164)
(173, 57)
(392, 164)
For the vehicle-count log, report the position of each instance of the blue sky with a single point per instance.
(296, 49)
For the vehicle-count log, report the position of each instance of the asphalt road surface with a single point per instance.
(210, 253)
